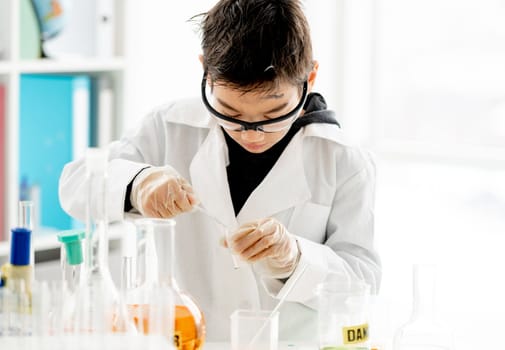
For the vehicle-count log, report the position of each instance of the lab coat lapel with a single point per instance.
(284, 186)
(210, 180)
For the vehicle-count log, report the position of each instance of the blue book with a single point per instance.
(53, 130)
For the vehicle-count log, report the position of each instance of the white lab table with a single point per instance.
(113, 342)
(282, 346)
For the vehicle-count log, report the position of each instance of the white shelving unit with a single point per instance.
(11, 69)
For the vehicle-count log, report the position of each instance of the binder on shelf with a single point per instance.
(3, 168)
(54, 129)
(88, 30)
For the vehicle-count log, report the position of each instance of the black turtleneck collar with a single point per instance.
(247, 170)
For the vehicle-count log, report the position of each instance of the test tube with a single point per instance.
(25, 220)
(128, 269)
(25, 214)
(226, 233)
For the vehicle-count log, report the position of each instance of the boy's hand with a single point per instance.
(160, 192)
(268, 243)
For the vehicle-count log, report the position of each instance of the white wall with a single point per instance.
(162, 51)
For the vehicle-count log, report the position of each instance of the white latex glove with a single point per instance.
(160, 192)
(269, 245)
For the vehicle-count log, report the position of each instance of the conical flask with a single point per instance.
(423, 331)
(99, 308)
(189, 328)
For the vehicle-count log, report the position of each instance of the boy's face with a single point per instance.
(256, 106)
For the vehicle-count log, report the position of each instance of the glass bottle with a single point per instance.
(99, 307)
(423, 331)
(21, 261)
(189, 327)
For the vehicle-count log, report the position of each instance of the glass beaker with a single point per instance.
(343, 314)
(249, 331)
(423, 331)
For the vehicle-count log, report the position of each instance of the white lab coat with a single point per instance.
(321, 189)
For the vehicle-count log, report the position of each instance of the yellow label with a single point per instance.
(355, 334)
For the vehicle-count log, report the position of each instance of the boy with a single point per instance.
(262, 154)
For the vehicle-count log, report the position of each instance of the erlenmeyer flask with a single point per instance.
(189, 331)
(423, 331)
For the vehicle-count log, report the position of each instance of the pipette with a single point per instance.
(226, 232)
(275, 309)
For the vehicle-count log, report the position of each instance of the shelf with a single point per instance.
(48, 241)
(5, 67)
(70, 65)
(63, 66)
(110, 67)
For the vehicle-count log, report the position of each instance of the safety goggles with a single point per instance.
(266, 126)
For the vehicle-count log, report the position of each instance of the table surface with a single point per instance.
(114, 342)
(282, 346)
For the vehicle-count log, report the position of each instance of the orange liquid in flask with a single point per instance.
(186, 333)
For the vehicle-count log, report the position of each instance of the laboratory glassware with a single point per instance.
(226, 230)
(245, 325)
(99, 306)
(18, 275)
(423, 331)
(72, 267)
(71, 258)
(21, 262)
(343, 313)
(189, 328)
(139, 279)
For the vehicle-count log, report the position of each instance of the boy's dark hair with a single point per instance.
(256, 43)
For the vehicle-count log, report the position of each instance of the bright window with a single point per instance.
(439, 70)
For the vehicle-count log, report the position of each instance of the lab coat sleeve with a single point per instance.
(348, 251)
(127, 157)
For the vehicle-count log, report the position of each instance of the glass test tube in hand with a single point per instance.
(226, 230)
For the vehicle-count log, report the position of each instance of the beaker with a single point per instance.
(343, 314)
(249, 331)
(423, 331)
